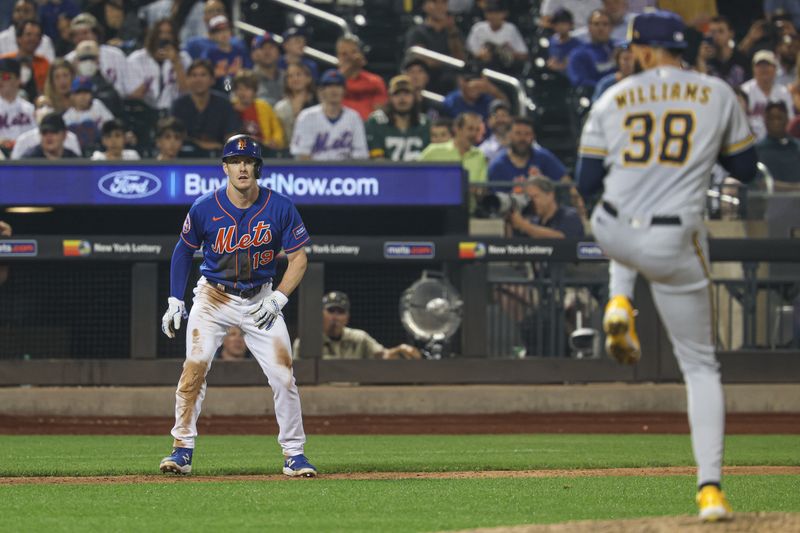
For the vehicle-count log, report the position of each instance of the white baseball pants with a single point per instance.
(673, 258)
(213, 312)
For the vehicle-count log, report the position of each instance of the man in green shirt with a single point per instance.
(466, 134)
(399, 131)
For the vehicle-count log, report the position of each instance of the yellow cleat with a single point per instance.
(622, 343)
(713, 505)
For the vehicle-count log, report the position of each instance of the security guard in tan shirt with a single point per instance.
(341, 342)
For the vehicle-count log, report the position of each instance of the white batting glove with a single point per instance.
(269, 309)
(171, 321)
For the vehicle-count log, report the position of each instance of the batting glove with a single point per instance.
(171, 320)
(269, 309)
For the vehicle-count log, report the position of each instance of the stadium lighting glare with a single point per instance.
(29, 209)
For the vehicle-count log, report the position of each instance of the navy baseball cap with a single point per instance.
(331, 77)
(261, 40)
(82, 84)
(294, 31)
(10, 65)
(660, 28)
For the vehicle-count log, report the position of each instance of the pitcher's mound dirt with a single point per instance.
(742, 522)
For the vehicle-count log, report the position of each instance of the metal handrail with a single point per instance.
(523, 102)
(309, 51)
(322, 56)
(316, 13)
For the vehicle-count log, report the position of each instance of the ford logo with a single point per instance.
(129, 184)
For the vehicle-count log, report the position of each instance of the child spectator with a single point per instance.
(170, 133)
(258, 119)
(87, 114)
(496, 42)
(562, 43)
(113, 140)
(226, 58)
(441, 130)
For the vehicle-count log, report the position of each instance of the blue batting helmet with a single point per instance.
(660, 28)
(243, 145)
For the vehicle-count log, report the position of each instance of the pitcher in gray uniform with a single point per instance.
(650, 141)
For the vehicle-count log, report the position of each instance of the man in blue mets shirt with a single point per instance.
(240, 228)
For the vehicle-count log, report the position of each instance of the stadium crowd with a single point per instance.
(127, 79)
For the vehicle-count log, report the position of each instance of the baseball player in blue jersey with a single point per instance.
(240, 228)
(650, 142)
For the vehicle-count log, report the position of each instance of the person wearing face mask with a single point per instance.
(16, 114)
(87, 57)
(111, 61)
(32, 137)
(33, 67)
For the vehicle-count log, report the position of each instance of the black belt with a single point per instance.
(654, 221)
(241, 293)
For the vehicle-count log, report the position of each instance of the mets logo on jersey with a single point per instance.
(242, 144)
(224, 243)
(187, 224)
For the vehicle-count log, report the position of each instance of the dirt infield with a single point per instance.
(487, 474)
(676, 423)
(742, 523)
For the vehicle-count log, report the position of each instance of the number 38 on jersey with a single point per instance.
(669, 139)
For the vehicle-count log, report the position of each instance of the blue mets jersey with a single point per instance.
(240, 245)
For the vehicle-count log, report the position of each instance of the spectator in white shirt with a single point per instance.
(495, 41)
(112, 63)
(157, 72)
(329, 131)
(112, 136)
(16, 114)
(763, 89)
(32, 137)
(24, 10)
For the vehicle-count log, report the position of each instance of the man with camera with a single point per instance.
(523, 159)
(551, 220)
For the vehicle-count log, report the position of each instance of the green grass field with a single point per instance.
(373, 505)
